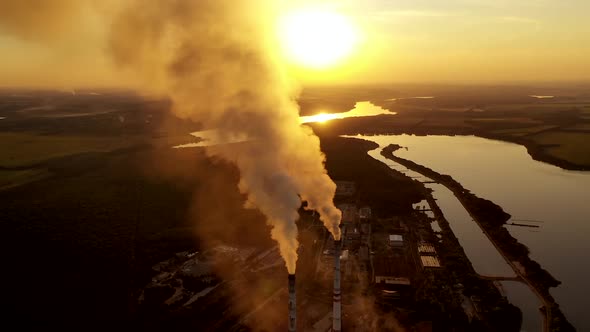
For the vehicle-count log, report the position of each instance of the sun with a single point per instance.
(317, 39)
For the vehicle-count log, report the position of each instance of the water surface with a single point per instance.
(483, 255)
(214, 137)
(533, 192)
(361, 109)
(521, 296)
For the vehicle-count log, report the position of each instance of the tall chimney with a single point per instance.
(292, 304)
(337, 310)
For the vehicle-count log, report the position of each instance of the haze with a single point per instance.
(272, 165)
(403, 41)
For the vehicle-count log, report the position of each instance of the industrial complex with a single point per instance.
(374, 264)
(381, 257)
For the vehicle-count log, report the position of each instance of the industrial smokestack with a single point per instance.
(219, 63)
(337, 310)
(292, 304)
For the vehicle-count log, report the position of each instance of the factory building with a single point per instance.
(352, 235)
(365, 213)
(392, 270)
(396, 240)
(392, 278)
(429, 262)
(426, 249)
(428, 257)
(349, 214)
(345, 188)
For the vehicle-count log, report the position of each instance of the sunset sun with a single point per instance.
(317, 39)
(295, 165)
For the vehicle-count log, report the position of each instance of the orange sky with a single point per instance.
(404, 41)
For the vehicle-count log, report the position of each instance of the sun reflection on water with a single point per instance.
(361, 109)
(211, 137)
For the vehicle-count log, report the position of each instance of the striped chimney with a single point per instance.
(292, 304)
(337, 310)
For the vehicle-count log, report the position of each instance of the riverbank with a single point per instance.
(538, 152)
(551, 133)
(491, 219)
(494, 311)
(439, 294)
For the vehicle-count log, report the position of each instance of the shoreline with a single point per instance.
(538, 279)
(537, 152)
(448, 234)
(490, 301)
(386, 125)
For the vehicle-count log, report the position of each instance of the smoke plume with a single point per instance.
(37, 19)
(217, 61)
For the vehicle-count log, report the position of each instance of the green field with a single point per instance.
(571, 146)
(26, 149)
(518, 132)
(545, 107)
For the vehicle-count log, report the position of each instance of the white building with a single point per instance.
(396, 240)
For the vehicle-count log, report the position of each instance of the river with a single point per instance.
(534, 193)
(213, 137)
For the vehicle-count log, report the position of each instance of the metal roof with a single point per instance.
(426, 248)
(392, 280)
(429, 261)
(395, 238)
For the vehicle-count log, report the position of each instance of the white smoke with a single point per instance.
(217, 61)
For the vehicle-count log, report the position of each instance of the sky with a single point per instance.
(417, 41)
(473, 40)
